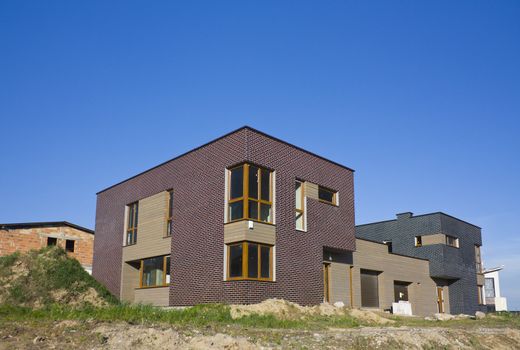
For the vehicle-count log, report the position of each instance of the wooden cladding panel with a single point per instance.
(151, 230)
(156, 296)
(239, 231)
(339, 285)
(311, 190)
(129, 281)
(437, 238)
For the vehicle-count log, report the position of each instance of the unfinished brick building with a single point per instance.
(76, 240)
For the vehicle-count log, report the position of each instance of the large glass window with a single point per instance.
(248, 260)
(155, 272)
(131, 225)
(490, 287)
(250, 193)
(300, 201)
(327, 196)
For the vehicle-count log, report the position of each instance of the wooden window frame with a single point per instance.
(245, 194)
(334, 196)
(133, 209)
(302, 210)
(141, 271)
(169, 213)
(418, 241)
(245, 262)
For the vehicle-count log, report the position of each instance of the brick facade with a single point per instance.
(197, 255)
(455, 265)
(15, 238)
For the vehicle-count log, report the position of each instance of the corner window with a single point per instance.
(327, 196)
(69, 245)
(250, 193)
(155, 272)
(300, 202)
(452, 241)
(131, 225)
(51, 241)
(418, 241)
(248, 260)
(169, 213)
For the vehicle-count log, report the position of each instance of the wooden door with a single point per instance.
(326, 283)
(440, 299)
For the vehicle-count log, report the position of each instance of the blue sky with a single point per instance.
(421, 98)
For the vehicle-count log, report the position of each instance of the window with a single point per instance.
(490, 287)
(452, 241)
(327, 196)
(400, 291)
(248, 260)
(300, 202)
(69, 245)
(155, 272)
(418, 241)
(169, 214)
(478, 259)
(51, 241)
(250, 193)
(131, 226)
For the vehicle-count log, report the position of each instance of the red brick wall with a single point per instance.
(25, 239)
(197, 179)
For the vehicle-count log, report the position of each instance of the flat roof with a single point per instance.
(221, 137)
(417, 216)
(45, 224)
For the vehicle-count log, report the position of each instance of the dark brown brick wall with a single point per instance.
(197, 179)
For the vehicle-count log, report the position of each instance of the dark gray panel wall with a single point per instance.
(457, 264)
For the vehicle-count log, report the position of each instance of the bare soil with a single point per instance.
(101, 335)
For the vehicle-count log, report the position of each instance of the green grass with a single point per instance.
(46, 271)
(197, 316)
(215, 315)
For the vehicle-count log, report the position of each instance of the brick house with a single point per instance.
(452, 247)
(76, 240)
(244, 218)
(224, 222)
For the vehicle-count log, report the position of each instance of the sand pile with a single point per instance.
(287, 310)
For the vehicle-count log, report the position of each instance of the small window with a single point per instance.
(169, 214)
(418, 241)
(51, 241)
(69, 245)
(300, 202)
(327, 196)
(155, 272)
(452, 241)
(248, 260)
(131, 226)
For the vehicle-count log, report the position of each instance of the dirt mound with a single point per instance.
(123, 336)
(287, 310)
(39, 278)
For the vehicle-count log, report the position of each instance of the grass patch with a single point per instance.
(196, 316)
(40, 273)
